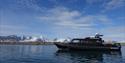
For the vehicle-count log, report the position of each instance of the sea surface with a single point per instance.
(51, 54)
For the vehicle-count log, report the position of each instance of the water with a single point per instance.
(50, 54)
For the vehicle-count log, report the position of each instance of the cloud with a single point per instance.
(121, 18)
(15, 29)
(115, 33)
(30, 4)
(72, 23)
(11, 29)
(107, 5)
(63, 17)
(23, 5)
(93, 1)
(114, 4)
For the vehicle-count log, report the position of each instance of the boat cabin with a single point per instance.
(92, 40)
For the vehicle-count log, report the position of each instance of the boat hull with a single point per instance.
(67, 46)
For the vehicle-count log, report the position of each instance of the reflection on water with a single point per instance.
(89, 56)
(50, 54)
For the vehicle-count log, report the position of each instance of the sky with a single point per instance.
(63, 18)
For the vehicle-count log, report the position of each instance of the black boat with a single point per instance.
(88, 43)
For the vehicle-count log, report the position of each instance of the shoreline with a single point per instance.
(26, 43)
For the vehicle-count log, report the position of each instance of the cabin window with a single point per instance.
(76, 41)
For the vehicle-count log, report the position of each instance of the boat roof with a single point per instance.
(97, 36)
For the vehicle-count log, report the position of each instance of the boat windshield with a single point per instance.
(75, 41)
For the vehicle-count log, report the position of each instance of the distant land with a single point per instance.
(18, 40)
(26, 43)
(123, 44)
